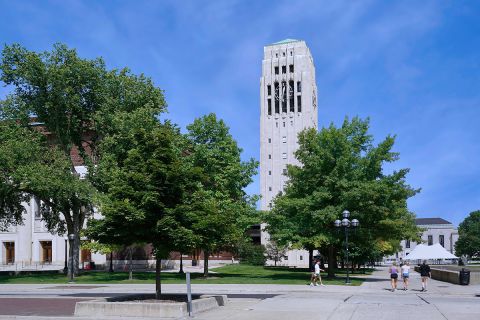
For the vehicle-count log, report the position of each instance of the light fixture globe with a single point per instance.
(355, 223)
(345, 222)
(337, 223)
(346, 214)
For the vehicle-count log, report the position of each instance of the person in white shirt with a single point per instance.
(405, 275)
(316, 276)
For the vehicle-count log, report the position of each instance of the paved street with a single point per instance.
(251, 302)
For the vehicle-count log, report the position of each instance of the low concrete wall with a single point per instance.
(452, 276)
(124, 307)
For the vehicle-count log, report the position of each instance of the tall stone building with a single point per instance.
(288, 104)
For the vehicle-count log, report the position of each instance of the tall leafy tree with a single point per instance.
(340, 169)
(74, 99)
(469, 236)
(141, 178)
(219, 211)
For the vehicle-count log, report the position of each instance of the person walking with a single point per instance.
(405, 274)
(393, 270)
(425, 273)
(316, 275)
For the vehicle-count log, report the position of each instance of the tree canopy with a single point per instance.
(219, 211)
(468, 242)
(341, 168)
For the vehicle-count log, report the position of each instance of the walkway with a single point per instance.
(279, 302)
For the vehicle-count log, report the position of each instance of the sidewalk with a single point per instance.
(280, 302)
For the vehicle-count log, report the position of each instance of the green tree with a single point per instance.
(141, 177)
(219, 211)
(469, 236)
(75, 100)
(340, 169)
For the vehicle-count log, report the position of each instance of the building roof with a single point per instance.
(425, 221)
(284, 42)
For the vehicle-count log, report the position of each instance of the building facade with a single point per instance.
(436, 230)
(288, 105)
(31, 246)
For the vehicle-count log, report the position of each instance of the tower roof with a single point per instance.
(284, 42)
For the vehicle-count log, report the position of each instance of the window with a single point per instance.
(284, 97)
(407, 243)
(290, 68)
(276, 70)
(285, 258)
(291, 53)
(36, 208)
(299, 86)
(269, 156)
(283, 53)
(277, 98)
(284, 171)
(291, 96)
(269, 188)
(299, 103)
(284, 155)
(284, 139)
(46, 251)
(9, 252)
(269, 106)
(284, 69)
(441, 240)
(269, 173)
(430, 240)
(269, 90)
(301, 258)
(276, 124)
(269, 140)
(276, 55)
(284, 124)
(270, 205)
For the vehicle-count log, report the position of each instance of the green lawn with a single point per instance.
(230, 274)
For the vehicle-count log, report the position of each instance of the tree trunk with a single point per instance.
(181, 264)
(111, 262)
(158, 279)
(130, 271)
(310, 259)
(205, 264)
(70, 271)
(332, 261)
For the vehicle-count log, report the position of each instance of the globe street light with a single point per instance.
(346, 224)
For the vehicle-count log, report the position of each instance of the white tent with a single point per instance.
(424, 252)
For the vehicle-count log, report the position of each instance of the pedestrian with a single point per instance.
(405, 274)
(425, 273)
(316, 275)
(393, 270)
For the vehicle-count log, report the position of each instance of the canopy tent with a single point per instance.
(424, 252)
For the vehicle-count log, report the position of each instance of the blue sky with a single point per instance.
(413, 67)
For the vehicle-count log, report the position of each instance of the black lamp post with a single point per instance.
(65, 269)
(346, 224)
(71, 237)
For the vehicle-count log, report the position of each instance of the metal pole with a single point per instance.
(71, 264)
(346, 244)
(65, 269)
(189, 295)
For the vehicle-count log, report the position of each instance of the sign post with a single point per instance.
(189, 295)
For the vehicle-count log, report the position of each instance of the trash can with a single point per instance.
(464, 277)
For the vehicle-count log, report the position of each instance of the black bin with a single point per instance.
(464, 277)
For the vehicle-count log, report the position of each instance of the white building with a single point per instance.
(436, 230)
(288, 104)
(31, 247)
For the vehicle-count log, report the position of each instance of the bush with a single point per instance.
(252, 254)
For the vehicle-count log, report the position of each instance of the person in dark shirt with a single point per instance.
(425, 274)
